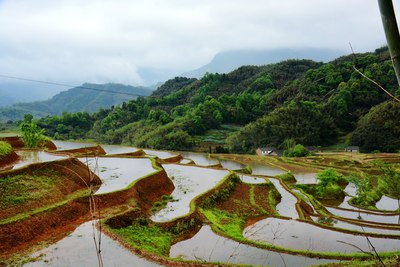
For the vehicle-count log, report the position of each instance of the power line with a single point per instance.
(68, 85)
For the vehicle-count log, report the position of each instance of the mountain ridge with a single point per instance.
(89, 97)
(227, 61)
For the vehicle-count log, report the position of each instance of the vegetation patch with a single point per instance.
(159, 205)
(16, 190)
(231, 224)
(5, 149)
(287, 177)
(153, 239)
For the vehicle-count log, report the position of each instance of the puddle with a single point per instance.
(189, 181)
(251, 179)
(78, 249)
(287, 206)
(29, 157)
(261, 169)
(118, 173)
(387, 203)
(114, 149)
(66, 145)
(305, 178)
(303, 236)
(199, 158)
(231, 165)
(207, 246)
(391, 219)
(160, 154)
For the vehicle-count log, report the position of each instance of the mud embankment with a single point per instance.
(17, 142)
(145, 191)
(10, 158)
(84, 151)
(70, 174)
(34, 227)
(24, 233)
(58, 220)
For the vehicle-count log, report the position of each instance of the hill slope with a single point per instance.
(300, 101)
(75, 100)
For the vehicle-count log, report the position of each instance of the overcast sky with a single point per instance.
(108, 41)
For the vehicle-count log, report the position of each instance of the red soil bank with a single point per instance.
(146, 191)
(8, 159)
(89, 151)
(37, 227)
(24, 233)
(73, 176)
(14, 141)
(17, 142)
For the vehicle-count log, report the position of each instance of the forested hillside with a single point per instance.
(302, 100)
(75, 100)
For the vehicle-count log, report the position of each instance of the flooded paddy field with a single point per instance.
(169, 213)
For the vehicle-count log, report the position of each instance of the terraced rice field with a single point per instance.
(162, 208)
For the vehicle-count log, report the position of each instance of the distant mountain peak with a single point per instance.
(227, 61)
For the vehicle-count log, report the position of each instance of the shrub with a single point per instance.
(5, 149)
(297, 151)
(327, 186)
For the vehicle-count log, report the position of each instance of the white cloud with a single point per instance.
(101, 41)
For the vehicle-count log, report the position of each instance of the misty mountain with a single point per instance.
(23, 91)
(76, 99)
(225, 62)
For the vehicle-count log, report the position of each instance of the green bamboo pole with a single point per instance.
(392, 33)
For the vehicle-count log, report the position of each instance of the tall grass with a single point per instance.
(5, 149)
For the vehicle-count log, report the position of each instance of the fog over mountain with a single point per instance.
(227, 61)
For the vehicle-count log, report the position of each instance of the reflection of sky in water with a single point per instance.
(199, 158)
(113, 149)
(66, 145)
(160, 154)
(305, 178)
(30, 156)
(387, 203)
(251, 179)
(287, 206)
(118, 173)
(391, 219)
(350, 226)
(207, 246)
(299, 235)
(231, 165)
(262, 169)
(189, 181)
(78, 249)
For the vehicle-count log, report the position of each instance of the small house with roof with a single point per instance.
(267, 151)
(352, 149)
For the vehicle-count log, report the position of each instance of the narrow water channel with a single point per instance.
(287, 206)
(189, 181)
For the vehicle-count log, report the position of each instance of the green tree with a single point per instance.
(32, 134)
(297, 151)
(379, 129)
(327, 186)
(391, 181)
